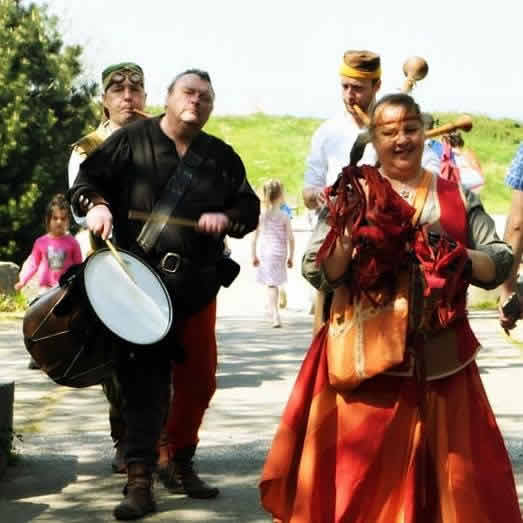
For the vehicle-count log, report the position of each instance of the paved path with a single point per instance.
(63, 467)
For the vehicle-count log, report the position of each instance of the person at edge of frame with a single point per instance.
(398, 251)
(510, 296)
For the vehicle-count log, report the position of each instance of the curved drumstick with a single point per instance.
(463, 123)
(415, 68)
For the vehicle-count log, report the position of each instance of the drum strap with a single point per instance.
(172, 194)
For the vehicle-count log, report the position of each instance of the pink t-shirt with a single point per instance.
(50, 258)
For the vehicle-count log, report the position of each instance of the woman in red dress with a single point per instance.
(388, 421)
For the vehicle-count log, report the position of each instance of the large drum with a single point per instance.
(73, 331)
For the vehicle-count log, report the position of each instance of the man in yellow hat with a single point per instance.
(123, 92)
(360, 80)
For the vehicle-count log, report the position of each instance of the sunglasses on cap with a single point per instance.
(119, 76)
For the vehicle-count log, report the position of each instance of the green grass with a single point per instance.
(12, 303)
(495, 142)
(270, 146)
(277, 146)
(487, 305)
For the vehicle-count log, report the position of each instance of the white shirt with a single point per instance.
(330, 151)
(78, 156)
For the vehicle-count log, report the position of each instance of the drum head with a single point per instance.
(138, 311)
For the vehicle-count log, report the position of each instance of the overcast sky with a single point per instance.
(282, 56)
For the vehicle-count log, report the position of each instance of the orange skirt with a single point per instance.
(368, 456)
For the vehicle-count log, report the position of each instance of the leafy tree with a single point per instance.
(44, 108)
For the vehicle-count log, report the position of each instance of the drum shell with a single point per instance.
(65, 338)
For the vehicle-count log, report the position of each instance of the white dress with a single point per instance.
(272, 248)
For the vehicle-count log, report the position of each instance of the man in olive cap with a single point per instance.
(123, 92)
(360, 79)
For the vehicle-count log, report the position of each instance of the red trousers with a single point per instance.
(194, 380)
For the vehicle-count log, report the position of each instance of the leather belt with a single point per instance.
(171, 262)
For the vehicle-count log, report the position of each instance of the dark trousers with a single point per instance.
(144, 377)
(113, 393)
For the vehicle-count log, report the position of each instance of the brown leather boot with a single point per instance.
(179, 477)
(139, 499)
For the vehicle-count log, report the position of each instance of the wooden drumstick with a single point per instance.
(464, 123)
(415, 68)
(119, 259)
(143, 216)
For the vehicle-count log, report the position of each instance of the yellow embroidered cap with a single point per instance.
(361, 64)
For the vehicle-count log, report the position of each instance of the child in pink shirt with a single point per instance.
(54, 252)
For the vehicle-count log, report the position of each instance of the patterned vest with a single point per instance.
(451, 349)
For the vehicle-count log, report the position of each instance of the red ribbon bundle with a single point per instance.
(380, 225)
(384, 239)
(443, 266)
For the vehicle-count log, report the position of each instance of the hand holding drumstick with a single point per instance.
(100, 221)
(209, 222)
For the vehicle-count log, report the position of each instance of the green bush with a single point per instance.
(44, 108)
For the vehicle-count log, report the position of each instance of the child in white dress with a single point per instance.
(273, 246)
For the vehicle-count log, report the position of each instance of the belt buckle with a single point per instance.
(177, 262)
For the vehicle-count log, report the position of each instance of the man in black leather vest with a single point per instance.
(167, 166)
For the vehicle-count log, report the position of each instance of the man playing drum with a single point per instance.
(123, 91)
(168, 168)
